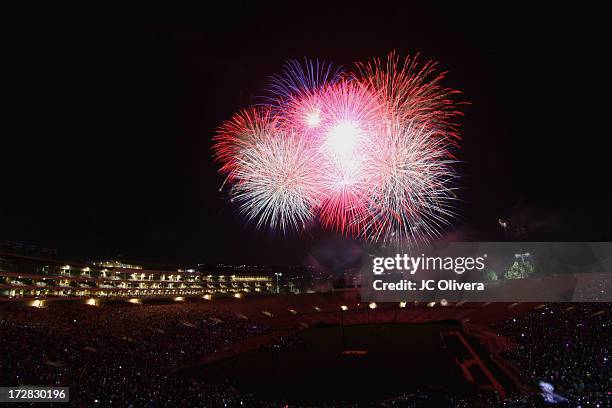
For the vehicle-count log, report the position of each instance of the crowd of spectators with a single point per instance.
(120, 355)
(566, 346)
(128, 355)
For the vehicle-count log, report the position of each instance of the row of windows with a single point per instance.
(25, 292)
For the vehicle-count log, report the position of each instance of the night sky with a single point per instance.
(111, 114)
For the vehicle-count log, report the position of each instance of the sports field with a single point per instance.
(400, 358)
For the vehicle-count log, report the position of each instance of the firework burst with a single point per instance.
(368, 153)
(272, 170)
(410, 183)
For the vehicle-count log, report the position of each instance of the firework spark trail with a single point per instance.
(412, 93)
(238, 134)
(369, 154)
(297, 80)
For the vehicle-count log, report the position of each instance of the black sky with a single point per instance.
(111, 112)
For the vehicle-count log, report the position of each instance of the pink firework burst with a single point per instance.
(349, 120)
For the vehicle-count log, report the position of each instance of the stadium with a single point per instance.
(306, 205)
(235, 347)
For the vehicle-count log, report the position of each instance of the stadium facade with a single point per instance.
(26, 276)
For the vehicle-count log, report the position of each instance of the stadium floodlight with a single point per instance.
(344, 307)
(373, 305)
(278, 275)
